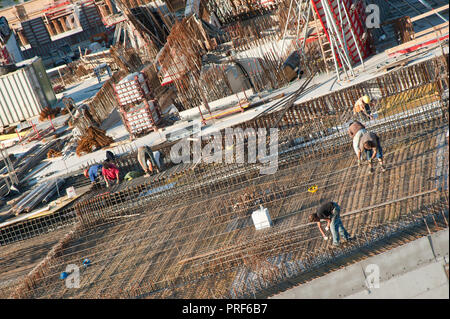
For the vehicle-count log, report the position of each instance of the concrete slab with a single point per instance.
(408, 271)
(426, 282)
(440, 244)
(440, 292)
(401, 259)
(335, 285)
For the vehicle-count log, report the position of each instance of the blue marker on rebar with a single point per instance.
(86, 263)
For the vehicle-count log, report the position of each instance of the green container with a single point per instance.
(44, 81)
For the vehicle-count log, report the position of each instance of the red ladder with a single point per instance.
(355, 17)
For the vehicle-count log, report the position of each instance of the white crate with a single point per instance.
(261, 218)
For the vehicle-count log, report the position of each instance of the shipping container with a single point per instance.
(24, 93)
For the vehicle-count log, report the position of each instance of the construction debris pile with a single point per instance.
(259, 47)
(228, 11)
(266, 51)
(53, 153)
(82, 68)
(126, 58)
(93, 139)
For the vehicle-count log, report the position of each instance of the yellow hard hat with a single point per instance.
(366, 99)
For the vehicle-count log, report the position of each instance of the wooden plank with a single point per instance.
(13, 135)
(429, 30)
(429, 13)
(429, 37)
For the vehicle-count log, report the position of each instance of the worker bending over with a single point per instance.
(93, 172)
(362, 108)
(110, 157)
(330, 211)
(110, 173)
(356, 130)
(370, 145)
(150, 161)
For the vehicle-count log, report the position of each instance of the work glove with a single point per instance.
(325, 238)
(326, 228)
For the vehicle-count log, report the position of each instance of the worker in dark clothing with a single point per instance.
(356, 130)
(150, 161)
(330, 212)
(370, 145)
(93, 172)
(110, 157)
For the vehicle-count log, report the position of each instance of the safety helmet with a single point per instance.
(86, 173)
(366, 99)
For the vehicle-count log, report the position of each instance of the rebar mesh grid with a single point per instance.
(147, 252)
(177, 242)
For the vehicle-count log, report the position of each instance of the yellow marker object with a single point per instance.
(312, 189)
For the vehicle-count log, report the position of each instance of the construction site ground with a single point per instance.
(197, 247)
(188, 232)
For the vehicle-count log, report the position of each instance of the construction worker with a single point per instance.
(356, 130)
(362, 108)
(93, 172)
(370, 145)
(330, 211)
(150, 161)
(110, 157)
(110, 173)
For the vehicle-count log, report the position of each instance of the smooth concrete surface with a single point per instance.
(429, 281)
(414, 270)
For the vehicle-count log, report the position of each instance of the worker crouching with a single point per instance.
(110, 173)
(330, 212)
(93, 172)
(356, 130)
(150, 161)
(371, 146)
(362, 108)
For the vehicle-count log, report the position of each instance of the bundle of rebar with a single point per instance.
(127, 59)
(94, 138)
(41, 194)
(48, 113)
(228, 11)
(53, 153)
